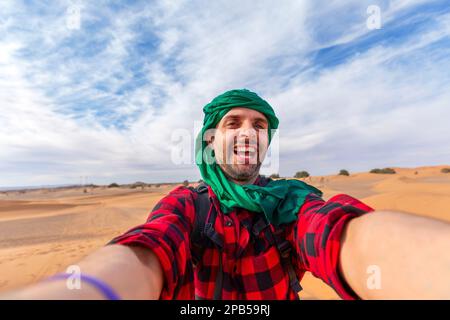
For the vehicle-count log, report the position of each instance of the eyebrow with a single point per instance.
(262, 120)
(232, 117)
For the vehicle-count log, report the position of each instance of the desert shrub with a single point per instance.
(445, 170)
(274, 176)
(301, 174)
(113, 185)
(344, 172)
(383, 171)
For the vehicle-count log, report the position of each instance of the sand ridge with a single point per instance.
(44, 231)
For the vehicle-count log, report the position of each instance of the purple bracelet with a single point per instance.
(106, 290)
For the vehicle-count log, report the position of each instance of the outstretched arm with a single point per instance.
(393, 255)
(132, 272)
(149, 261)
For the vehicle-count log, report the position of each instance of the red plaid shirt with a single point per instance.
(252, 266)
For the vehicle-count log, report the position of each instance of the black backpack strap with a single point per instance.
(204, 229)
(219, 280)
(202, 206)
(284, 248)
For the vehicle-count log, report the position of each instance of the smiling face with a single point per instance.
(240, 143)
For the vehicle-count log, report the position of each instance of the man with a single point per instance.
(336, 240)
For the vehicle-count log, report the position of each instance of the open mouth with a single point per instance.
(245, 154)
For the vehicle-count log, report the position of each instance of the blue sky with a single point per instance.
(103, 100)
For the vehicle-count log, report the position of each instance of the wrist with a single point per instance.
(78, 281)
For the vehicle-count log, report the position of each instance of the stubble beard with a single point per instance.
(233, 172)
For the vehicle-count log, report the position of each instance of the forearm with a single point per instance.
(132, 272)
(411, 253)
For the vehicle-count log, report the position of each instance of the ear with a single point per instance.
(209, 138)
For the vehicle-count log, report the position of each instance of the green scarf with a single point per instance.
(279, 200)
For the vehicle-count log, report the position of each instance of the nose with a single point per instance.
(247, 132)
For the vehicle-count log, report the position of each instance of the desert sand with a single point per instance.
(44, 231)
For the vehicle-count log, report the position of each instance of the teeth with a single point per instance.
(245, 149)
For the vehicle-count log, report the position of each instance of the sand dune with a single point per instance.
(44, 231)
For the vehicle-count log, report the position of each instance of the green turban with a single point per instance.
(279, 200)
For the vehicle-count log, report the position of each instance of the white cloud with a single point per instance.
(60, 103)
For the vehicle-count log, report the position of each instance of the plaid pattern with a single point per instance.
(252, 267)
